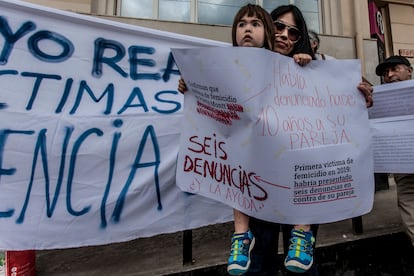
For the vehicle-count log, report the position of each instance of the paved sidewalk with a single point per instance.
(162, 255)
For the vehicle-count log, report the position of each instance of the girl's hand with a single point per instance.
(302, 59)
(366, 89)
(182, 87)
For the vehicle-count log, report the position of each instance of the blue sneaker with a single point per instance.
(241, 246)
(300, 255)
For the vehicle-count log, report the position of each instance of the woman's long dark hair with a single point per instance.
(263, 15)
(303, 45)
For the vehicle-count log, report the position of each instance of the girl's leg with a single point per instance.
(303, 227)
(241, 221)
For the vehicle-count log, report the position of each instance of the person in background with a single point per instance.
(315, 42)
(395, 69)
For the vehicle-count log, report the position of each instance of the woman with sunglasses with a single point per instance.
(291, 33)
(291, 39)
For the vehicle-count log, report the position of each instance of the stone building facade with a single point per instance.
(369, 30)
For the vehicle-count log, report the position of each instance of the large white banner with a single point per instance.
(89, 132)
(273, 139)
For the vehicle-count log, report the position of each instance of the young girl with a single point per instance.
(252, 27)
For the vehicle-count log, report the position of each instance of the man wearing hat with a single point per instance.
(393, 69)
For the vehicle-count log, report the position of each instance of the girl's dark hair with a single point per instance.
(303, 45)
(263, 15)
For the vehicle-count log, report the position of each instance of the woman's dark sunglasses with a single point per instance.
(293, 32)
